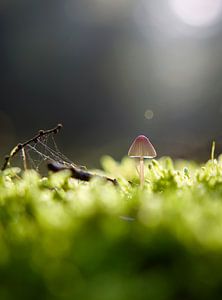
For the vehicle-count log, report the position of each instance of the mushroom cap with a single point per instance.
(141, 147)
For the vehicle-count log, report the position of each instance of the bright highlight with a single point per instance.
(197, 12)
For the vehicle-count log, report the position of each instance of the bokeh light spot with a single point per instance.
(148, 114)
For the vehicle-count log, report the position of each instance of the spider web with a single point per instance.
(36, 154)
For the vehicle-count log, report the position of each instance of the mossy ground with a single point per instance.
(64, 239)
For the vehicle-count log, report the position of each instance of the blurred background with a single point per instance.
(109, 70)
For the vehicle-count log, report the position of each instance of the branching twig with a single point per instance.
(53, 165)
(21, 146)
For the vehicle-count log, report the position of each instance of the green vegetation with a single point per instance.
(63, 239)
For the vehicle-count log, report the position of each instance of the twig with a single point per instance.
(77, 173)
(21, 146)
(24, 159)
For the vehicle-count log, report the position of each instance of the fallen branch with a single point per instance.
(77, 173)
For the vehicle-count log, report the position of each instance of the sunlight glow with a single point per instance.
(197, 12)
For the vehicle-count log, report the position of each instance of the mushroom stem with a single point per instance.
(141, 171)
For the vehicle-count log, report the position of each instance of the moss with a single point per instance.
(64, 239)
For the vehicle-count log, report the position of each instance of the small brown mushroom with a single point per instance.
(141, 148)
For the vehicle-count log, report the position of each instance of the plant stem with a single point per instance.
(141, 171)
(212, 150)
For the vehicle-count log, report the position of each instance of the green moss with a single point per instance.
(65, 239)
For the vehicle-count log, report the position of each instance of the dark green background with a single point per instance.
(97, 66)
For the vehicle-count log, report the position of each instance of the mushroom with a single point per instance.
(141, 148)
